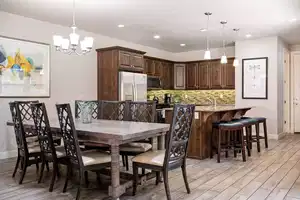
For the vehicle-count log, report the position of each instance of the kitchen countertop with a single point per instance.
(218, 108)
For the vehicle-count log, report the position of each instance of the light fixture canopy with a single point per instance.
(69, 46)
(224, 57)
(207, 55)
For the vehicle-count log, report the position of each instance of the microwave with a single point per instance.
(153, 82)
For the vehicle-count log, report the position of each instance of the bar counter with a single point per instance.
(199, 145)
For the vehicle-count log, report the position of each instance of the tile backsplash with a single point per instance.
(195, 96)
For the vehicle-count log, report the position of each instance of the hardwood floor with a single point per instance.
(271, 174)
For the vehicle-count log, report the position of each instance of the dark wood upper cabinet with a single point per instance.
(137, 60)
(216, 75)
(167, 75)
(191, 76)
(158, 68)
(229, 75)
(203, 75)
(124, 59)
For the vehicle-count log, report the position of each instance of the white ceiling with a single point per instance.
(176, 21)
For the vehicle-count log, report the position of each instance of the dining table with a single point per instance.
(114, 133)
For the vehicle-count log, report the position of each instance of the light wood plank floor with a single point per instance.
(271, 174)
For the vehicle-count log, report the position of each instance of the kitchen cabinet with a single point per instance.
(110, 61)
(203, 75)
(228, 81)
(167, 75)
(215, 75)
(179, 76)
(158, 68)
(192, 76)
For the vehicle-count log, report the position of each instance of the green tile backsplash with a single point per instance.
(196, 96)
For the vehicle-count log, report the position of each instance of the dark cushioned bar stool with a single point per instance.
(229, 135)
(255, 138)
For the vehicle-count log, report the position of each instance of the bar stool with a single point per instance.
(233, 137)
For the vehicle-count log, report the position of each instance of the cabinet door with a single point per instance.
(203, 75)
(150, 67)
(215, 75)
(167, 74)
(229, 75)
(125, 59)
(137, 61)
(179, 76)
(158, 68)
(191, 76)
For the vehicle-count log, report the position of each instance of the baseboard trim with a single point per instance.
(8, 154)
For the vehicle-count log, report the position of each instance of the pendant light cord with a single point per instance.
(74, 25)
(207, 39)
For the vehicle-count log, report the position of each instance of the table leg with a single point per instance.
(161, 142)
(115, 190)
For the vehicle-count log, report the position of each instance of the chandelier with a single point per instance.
(69, 46)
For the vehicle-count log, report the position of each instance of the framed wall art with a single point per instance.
(24, 68)
(255, 78)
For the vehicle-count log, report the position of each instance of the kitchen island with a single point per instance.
(199, 144)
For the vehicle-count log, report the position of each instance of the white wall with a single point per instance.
(270, 108)
(72, 77)
(199, 54)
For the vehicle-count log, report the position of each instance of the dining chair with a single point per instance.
(138, 112)
(94, 104)
(29, 152)
(114, 110)
(175, 154)
(50, 152)
(81, 160)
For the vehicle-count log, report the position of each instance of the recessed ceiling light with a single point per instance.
(203, 29)
(183, 45)
(293, 20)
(156, 36)
(248, 35)
(121, 25)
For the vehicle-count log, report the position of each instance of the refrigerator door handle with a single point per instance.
(133, 92)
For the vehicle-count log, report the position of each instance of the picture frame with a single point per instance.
(255, 78)
(24, 68)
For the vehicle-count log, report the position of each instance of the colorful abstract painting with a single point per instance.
(24, 68)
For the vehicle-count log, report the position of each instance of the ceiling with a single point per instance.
(176, 21)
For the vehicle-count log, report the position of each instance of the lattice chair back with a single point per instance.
(69, 134)
(94, 104)
(26, 115)
(179, 135)
(114, 110)
(42, 127)
(142, 111)
(18, 127)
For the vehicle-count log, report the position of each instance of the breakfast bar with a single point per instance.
(199, 145)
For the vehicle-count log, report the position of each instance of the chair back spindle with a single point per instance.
(142, 111)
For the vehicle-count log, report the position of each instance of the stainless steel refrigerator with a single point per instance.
(132, 86)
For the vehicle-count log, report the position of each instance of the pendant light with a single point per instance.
(207, 55)
(236, 60)
(224, 57)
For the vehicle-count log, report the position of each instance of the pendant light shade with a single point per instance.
(223, 59)
(207, 55)
(236, 62)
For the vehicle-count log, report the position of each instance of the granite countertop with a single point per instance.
(218, 108)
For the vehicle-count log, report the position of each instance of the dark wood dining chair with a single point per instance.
(138, 112)
(175, 154)
(29, 153)
(50, 152)
(81, 160)
(94, 104)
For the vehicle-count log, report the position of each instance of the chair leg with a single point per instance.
(98, 178)
(257, 136)
(166, 182)
(24, 171)
(250, 136)
(47, 165)
(143, 171)
(67, 177)
(126, 161)
(17, 165)
(183, 168)
(243, 146)
(157, 178)
(227, 143)
(234, 133)
(135, 178)
(123, 161)
(42, 171)
(248, 142)
(212, 143)
(265, 134)
(79, 186)
(219, 146)
(86, 177)
(55, 169)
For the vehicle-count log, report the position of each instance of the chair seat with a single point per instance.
(60, 151)
(32, 139)
(227, 124)
(247, 121)
(136, 147)
(34, 149)
(152, 158)
(95, 157)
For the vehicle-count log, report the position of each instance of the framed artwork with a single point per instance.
(24, 68)
(255, 78)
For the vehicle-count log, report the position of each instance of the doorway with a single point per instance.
(295, 101)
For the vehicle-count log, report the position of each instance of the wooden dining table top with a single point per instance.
(110, 129)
